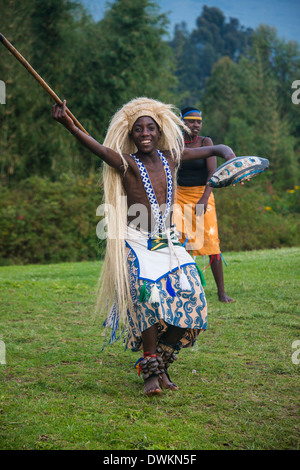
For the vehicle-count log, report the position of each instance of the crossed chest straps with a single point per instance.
(159, 218)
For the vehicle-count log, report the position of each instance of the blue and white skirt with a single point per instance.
(165, 289)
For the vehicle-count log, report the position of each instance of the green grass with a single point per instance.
(239, 388)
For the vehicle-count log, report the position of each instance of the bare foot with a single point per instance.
(152, 386)
(165, 382)
(225, 298)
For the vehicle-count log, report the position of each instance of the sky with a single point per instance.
(284, 15)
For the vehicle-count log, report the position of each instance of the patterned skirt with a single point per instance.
(187, 309)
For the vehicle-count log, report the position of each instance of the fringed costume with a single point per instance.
(163, 292)
(150, 276)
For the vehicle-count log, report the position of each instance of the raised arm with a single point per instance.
(106, 154)
(196, 153)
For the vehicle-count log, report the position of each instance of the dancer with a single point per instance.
(192, 177)
(148, 281)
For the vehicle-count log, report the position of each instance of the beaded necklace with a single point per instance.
(158, 217)
(190, 141)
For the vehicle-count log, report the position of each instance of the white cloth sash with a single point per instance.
(153, 265)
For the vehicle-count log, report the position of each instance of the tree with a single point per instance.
(135, 59)
(242, 107)
(281, 60)
(14, 24)
(96, 66)
(196, 53)
(30, 144)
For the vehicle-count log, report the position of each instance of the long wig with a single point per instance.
(114, 289)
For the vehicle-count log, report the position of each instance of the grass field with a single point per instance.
(239, 384)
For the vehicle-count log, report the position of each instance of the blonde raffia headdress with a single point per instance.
(114, 285)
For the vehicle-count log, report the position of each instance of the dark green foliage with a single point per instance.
(241, 79)
(95, 66)
(242, 107)
(31, 143)
(46, 222)
(137, 62)
(257, 216)
(197, 52)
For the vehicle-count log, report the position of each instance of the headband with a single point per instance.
(144, 109)
(192, 117)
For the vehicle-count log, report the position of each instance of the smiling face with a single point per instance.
(145, 134)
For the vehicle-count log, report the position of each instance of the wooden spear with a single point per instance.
(46, 87)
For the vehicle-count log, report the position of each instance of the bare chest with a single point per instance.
(148, 179)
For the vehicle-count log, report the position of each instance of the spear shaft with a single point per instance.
(42, 82)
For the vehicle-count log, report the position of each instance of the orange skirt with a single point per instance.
(201, 231)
